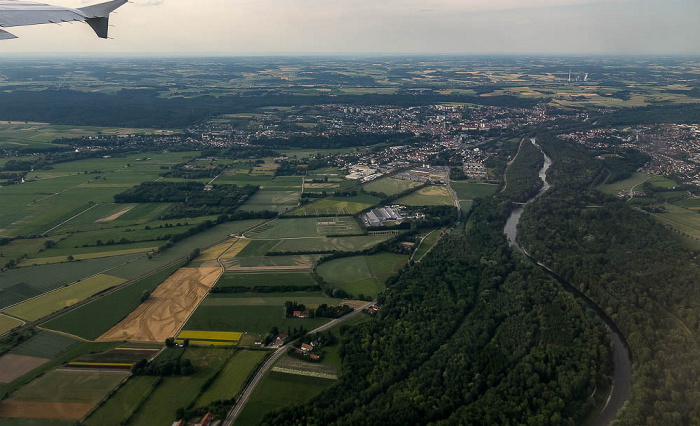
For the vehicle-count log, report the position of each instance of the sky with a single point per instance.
(272, 27)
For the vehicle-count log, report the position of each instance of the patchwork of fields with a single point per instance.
(124, 265)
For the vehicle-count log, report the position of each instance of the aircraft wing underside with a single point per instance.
(20, 13)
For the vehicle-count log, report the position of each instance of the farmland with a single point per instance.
(254, 313)
(120, 405)
(95, 318)
(277, 390)
(277, 201)
(266, 279)
(472, 190)
(362, 274)
(62, 394)
(45, 344)
(230, 381)
(306, 227)
(336, 206)
(15, 366)
(7, 323)
(44, 305)
(168, 308)
(390, 186)
(428, 196)
(684, 220)
(177, 392)
(636, 180)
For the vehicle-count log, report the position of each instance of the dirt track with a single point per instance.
(170, 305)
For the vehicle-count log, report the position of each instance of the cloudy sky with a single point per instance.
(239, 27)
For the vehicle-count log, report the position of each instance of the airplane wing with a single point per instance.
(20, 13)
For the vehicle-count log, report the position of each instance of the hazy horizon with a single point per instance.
(362, 27)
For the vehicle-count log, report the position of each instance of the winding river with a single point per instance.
(622, 377)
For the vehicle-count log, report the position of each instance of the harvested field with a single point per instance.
(44, 410)
(116, 215)
(65, 385)
(428, 196)
(235, 249)
(213, 253)
(170, 305)
(14, 366)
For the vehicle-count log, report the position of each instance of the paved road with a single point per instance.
(238, 408)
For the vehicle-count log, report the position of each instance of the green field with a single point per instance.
(70, 386)
(390, 186)
(689, 203)
(292, 263)
(635, 180)
(684, 220)
(427, 244)
(276, 201)
(17, 285)
(7, 324)
(277, 390)
(266, 279)
(471, 190)
(337, 206)
(253, 313)
(362, 274)
(123, 402)
(306, 227)
(179, 392)
(52, 199)
(257, 248)
(45, 344)
(428, 196)
(350, 244)
(466, 205)
(232, 378)
(95, 318)
(47, 304)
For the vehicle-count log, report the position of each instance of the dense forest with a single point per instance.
(522, 180)
(191, 198)
(473, 334)
(636, 270)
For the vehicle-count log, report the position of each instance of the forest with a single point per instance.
(191, 197)
(473, 334)
(636, 270)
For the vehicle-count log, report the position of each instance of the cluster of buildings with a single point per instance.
(674, 148)
(306, 350)
(389, 215)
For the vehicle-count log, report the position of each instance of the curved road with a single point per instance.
(622, 379)
(238, 408)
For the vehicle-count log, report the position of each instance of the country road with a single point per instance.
(238, 408)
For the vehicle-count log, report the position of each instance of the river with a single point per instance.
(622, 377)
